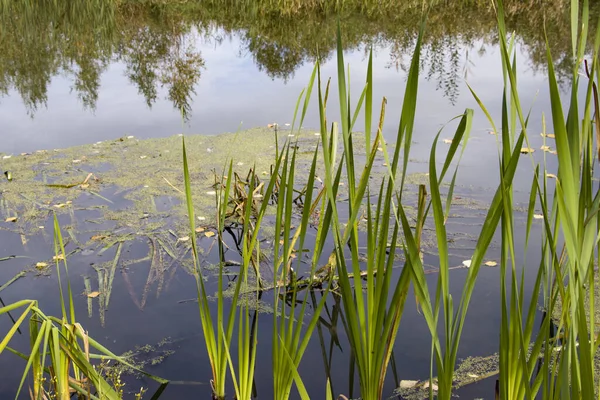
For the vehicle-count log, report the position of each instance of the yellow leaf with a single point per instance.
(59, 257)
(527, 150)
(199, 230)
(93, 294)
(11, 219)
(209, 234)
(491, 263)
(41, 265)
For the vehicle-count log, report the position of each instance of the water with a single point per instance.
(79, 74)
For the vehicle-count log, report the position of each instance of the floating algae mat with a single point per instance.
(144, 172)
(115, 191)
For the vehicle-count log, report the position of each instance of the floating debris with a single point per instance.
(467, 263)
(527, 150)
(407, 384)
(11, 219)
(490, 263)
(447, 141)
(548, 135)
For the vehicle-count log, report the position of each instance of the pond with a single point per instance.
(94, 96)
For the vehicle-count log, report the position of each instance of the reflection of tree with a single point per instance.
(41, 40)
(154, 39)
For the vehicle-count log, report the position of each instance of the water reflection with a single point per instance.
(156, 42)
(41, 40)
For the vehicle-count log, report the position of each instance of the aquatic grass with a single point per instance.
(559, 358)
(372, 317)
(218, 334)
(61, 355)
(292, 329)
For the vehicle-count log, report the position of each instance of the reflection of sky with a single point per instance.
(232, 91)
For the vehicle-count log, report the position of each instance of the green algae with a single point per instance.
(469, 371)
(139, 170)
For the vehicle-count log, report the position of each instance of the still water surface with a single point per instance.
(132, 70)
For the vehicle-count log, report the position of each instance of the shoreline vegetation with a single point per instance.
(333, 215)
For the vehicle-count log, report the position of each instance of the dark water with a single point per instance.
(77, 74)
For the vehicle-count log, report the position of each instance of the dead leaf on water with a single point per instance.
(527, 150)
(467, 263)
(209, 234)
(491, 263)
(41, 265)
(548, 135)
(211, 193)
(545, 148)
(99, 237)
(84, 185)
(183, 239)
(448, 141)
(538, 216)
(59, 257)
(200, 230)
(11, 219)
(93, 294)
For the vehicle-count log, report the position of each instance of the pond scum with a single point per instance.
(318, 210)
